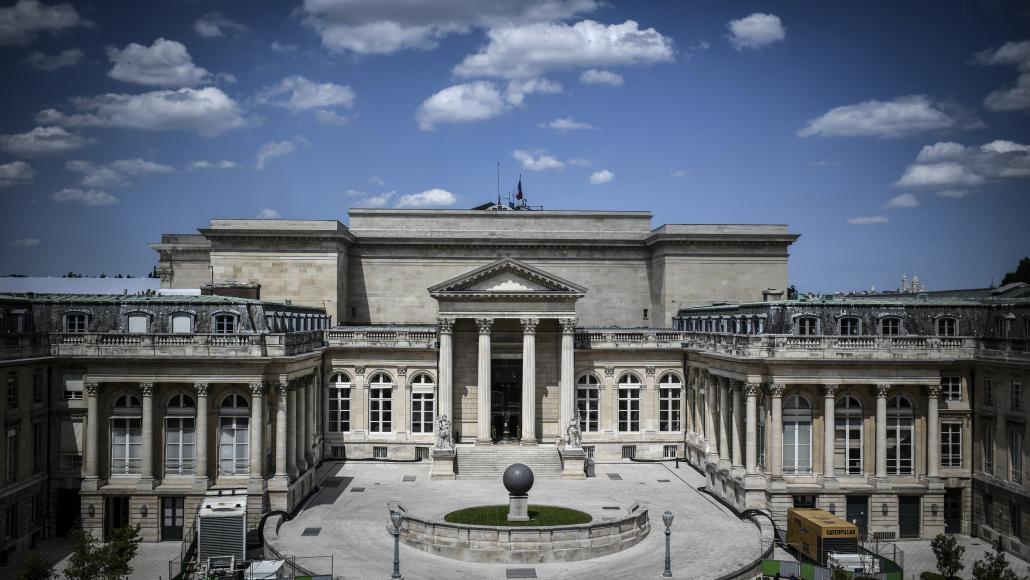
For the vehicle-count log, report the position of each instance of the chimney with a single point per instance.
(771, 294)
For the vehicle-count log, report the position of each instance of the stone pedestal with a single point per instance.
(518, 508)
(573, 463)
(443, 464)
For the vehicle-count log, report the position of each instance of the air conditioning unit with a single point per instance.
(222, 529)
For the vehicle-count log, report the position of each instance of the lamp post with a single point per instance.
(396, 518)
(667, 519)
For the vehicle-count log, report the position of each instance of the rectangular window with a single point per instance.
(12, 455)
(669, 410)
(71, 444)
(951, 388)
(988, 391)
(629, 410)
(951, 444)
(180, 444)
(422, 412)
(339, 409)
(947, 327)
(138, 323)
(225, 324)
(182, 324)
(988, 510)
(37, 386)
(38, 446)
(233, 445)
(380, 406)
(808, 326)
(629, 451)
(890, 326)
(75, 322)
(337, 452)
(380, 452)
(589, 451)
(804, 501)
(988, 449)
(1016, 396)
(72, 387)
(849, 327)
(1015, 519)
(1015, 433)
(669, 451)
(12, 390)
(587, 404)
(421, 453)
(126, 445)
(12, 520)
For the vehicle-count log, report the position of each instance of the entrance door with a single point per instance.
(858, 512)
(908, 516)
(506, 399)
(116, 515)
(953, 511)
(66, 510)
(172, 516)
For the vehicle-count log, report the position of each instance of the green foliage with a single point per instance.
(927, 575)
(1020, 274)
(993, 566)
(949, 555)
(497, 515)
(840, 574)
(90, 559)
(35, 567)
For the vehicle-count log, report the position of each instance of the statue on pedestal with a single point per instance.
(443, 433)
(575, 436)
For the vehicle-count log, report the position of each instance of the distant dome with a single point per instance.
(518, 479)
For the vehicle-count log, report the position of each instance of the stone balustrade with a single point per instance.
(183, 345)
(416, 336)
(785, 346)
(24, 345)
(616, 338)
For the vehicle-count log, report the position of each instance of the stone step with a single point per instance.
(489, 462)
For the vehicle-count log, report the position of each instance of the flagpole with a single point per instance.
(498, 183)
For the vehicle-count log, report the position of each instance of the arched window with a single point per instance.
(422, 403)
(947, 326)
(900, 435)
(587, 403)
(180, 435)
(233, 435)
(224, 324)
(182, 323)
(339, 403)
(849, 326)
(126, 435)
(890, 326)
(670, 396)
(76, 322)
(847, 423)
(629, 403)
(380, 403)
(807, 325)
(797, 435)
(138, 323)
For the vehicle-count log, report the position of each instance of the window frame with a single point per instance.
(951, 444)
(883, 325)
(423, 403)
(147, 320)
(628, 408)
(81, 324)
(179, 412)
(796, 443)
(858, 325)
(191, 322)
(670, 403)
(588, 403)
(380, 403)
(951, 387)
(234, 420)
(944, 320)
(899, 465)
(987, 449)
(1015, 395)
(218, 318)
(844, 418)
(807, 325)
(1015, 435)
(337, 416)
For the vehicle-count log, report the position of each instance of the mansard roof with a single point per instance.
(507, 277)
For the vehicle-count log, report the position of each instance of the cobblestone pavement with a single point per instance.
(707, 539)
(919, 557)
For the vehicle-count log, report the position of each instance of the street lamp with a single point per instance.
(667, 519)
(396, 518)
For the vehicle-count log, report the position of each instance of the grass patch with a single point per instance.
(497, 515)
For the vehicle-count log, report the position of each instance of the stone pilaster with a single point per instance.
(281, 421)
(202, 436)
(566, 379)
(829, 408)
(529, 380)
(291, 433)
(91, 474)
(933, 431)
(882, 391)
(751, 429)
(257, 439)
(444, 368)
(738, 460)
(724, 417)
(301, 436)
(309, 422)
(483, 381)
(146, 479)
(776, 431)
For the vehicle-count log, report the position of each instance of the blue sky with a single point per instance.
(892, 136)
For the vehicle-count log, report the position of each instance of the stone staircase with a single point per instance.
(489, 461)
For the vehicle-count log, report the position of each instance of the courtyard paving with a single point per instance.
(707, 540)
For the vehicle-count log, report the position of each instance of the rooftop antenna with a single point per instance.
(498, 183)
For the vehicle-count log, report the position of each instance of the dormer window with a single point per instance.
(890, 326)
(182, 323)
(138, 323)
(850, 326)
(224, 324)
(808, 326)
(947, 326)
(75, 322)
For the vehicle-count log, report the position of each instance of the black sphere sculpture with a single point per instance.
(518, 479)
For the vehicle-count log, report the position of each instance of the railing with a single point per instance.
(183, 345)
(378, 336)
(1003, 348)
(600, 338)
(24, 345)
(835, 347)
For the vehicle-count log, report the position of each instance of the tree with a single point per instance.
(91, 560)
(35, 567)
(993, 566)
(1020, 274)
(949, 555)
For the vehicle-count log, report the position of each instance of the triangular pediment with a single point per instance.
(507, 277)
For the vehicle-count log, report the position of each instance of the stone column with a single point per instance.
(649, 401)
(483, 418)
(829, 408)
(317, 414)
(201, 436)
(257, 426)
(751, 429)
(776, 431)
(92, 463)
(711, 395)
(444, 406)
(291, 432)
(301, 436)
(881, 429)
(724, 416)
(529, 380)
(608, 395)
(146, 471)
(280, 429)
(933, 432)
(737, 459)
(309, 422)
(566, 380)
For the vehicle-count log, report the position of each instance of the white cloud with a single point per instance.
(952, 166)
(376, 180)
(96, 175)
(564, 124)
(578, 161)
(91, 197)
(23, 243)
(870, 220)
(600, 77)
(903, 200)
(937, 174)
(1002, 146)
(16, 173)
(215, 25)
(19, 24)
(428, 198)
(139, 166)
(277, 46)
(223, 164)
(268, 214)
(388, 26)
(1015, 54)
(462, 103)
(42, 141)
(166, 63)
(297, 93)
(536, 160)
(602, 176)
(940, 151)
(756, 31)
(679, 173)
(379, 200)
(327, 117)
(518, 89)
(208, 111)
(533, 50)
(272, 150)
(896, 118)
(953, 193)
(52, 62)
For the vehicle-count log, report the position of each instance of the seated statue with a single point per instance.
(443, 433)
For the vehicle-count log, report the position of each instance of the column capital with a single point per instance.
(91, 389)
(445, 325)
(146, 389)
(402, 371)
(359, 370)
(934, 390)
(282, 388)
(529, 325)
(752, 389)
(568, 325)
(257, 389)
(776, 389)
(484, 324)
(649, 371)
(609, 371)
(201, 389)
(882, 390)
(830, 391)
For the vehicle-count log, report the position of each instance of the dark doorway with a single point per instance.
(908, 516)
(506, 399)
(858, 512)
(67, 510)
(953, 511)
(173, 514)
(116, 515)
